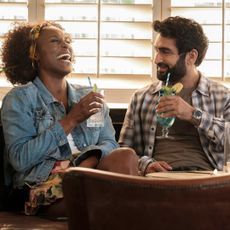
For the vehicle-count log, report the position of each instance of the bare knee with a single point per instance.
(125, 150)
(121, 160)
(123, 154)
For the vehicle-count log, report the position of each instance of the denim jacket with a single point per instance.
(34, 138)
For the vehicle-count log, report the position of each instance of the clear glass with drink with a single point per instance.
(97, 119)
(165, 122)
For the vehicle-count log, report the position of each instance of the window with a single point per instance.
(10, 12)
(80, 19)
(215, 19)
(113, 38)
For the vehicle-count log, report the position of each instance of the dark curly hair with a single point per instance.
(17, 64)
(187, 33)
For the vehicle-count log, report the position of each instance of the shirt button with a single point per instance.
(150, 147)
(84, 145)
(152, 128)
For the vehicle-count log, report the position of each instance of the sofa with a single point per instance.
(101, 200)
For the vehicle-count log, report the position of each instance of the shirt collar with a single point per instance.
(155, 87)
(203, 85)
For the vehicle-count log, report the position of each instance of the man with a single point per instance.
(201, 108)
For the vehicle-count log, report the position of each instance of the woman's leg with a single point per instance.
(122, 160)
(56, 211)
(46, 199)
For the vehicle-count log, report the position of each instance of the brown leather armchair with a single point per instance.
(2, 186)
(98, 200)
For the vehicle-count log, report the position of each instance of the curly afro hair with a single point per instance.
(18, 65)
(187, 33)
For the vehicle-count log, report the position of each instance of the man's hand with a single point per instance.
(158, 166)
(174, 106)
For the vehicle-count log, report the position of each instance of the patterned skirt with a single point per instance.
(44, 194)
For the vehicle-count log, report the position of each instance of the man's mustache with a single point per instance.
(163, 65)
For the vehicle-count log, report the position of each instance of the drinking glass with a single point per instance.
(165, 122)
(97, 119)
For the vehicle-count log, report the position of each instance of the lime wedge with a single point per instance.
(167, 91)
(95, 88)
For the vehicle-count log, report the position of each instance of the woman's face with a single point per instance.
(54, 52)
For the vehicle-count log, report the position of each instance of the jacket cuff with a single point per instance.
(83, 156)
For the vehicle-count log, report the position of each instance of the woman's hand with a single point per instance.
(87, 106)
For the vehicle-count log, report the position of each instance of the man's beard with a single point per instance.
(177, 72)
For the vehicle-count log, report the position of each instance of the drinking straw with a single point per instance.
(167, 80)
(90, 83)
(94, 85)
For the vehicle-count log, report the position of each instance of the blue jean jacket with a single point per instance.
(34, 138)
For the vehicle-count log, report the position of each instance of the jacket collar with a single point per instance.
(43, 91)
(48, 97)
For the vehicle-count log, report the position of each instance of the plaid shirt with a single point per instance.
(140, 122)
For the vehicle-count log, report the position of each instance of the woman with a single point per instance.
(44, 119)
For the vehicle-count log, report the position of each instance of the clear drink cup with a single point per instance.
(97, 119)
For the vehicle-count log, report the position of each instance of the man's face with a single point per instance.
(168, 60)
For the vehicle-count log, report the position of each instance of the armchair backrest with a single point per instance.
(2, 186)
(98, 200)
